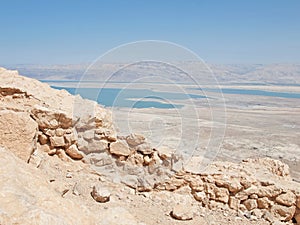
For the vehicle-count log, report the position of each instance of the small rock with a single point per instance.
(250, 204)
(73, 152)
(181, 212)
(135, 139)
(69, 175)
(119, 148)
(233, 203)
(75, 190)
(147, 160)
(100, 194)
(43, 139)
(59, 132)
(144, 148)
(57, 141)
(263, 203)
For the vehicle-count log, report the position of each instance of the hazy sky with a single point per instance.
(219, 31)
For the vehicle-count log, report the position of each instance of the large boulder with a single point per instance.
(29, 199)
(18, 133)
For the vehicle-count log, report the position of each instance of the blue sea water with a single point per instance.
(118, 97)
(144, 98)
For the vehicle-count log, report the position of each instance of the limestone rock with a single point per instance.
(200, 196)
(43, 139)
(263, 203)
(287, 199)
(119, 148)
(182, 212)
(24, 186)
(250, 204)
(100, 159)
(233, 203)
(92, 147)
(51, 119)
(57, 141)
(165, 152)
(222, 195)
(283, 213)
(144, 148)
(73, 152)
(100, 194)
(18, 131)
(135, 139)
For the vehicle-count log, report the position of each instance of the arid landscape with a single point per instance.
(150, 112)
(67, 160)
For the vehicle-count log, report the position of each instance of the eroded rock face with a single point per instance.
(23, 185)
(64, 122)
(18, 133)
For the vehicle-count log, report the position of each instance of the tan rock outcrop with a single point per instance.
(18, 133)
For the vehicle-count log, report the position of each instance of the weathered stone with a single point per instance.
(43, 139)
(51, 119)
(136, 159)
(119, 148)
(287, 199)
(18, 131)
(88, 135)
(263, 203)
(268, 191)
(49, 132)
(71, 137)
(91, 147)
(104, 133)
(135, 139)
(100, 159)
(200, 196)
(221, 195)
(250, 204)
(181, 212)
(73, 152)
(196, 184)
(283, 213)
(233, 203)
(52, 151)
(298, 201)
(100, 194)
(59, 132)
(210, 190)
(165, 152)
(144, 148)
(258, 213)
(57, 141)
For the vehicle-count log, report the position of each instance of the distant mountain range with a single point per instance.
(184, 72)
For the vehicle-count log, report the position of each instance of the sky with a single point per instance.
(219, 31)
